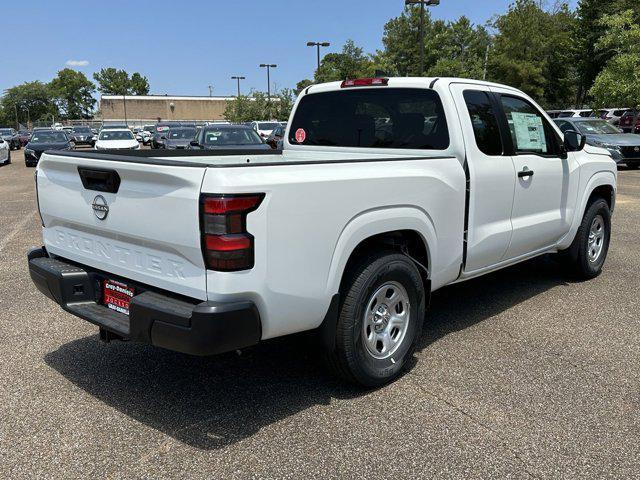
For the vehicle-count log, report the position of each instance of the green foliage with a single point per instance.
(588, 30)
(258, 107)
(31, 100)
(451, 48)
(72, 92)
(117, 82)
(533, 51)
(351, 62)
(619, 81)
(302, 84)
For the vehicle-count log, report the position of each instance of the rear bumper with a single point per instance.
(205, 328)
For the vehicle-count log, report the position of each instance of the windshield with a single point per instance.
(81, 130)
(267, 125)
(231, 136)
(596, 127)
(116, 135)
(49, 137)
(182, 133)
(374, 118)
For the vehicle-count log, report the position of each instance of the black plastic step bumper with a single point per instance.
(205, 328)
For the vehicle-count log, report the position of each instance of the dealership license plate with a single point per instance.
(117, 296)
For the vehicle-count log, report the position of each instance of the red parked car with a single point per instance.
(626, 122)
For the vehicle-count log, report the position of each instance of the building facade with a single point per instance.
(138, 110)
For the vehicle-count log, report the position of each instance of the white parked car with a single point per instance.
(5, 152)
(116, 139)
(264, 129)
(386, 190)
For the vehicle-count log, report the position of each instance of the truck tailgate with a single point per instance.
(147, 231)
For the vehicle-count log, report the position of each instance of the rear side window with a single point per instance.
(374, 118)
(484, 121)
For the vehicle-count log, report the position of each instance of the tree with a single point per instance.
(139, 85)
(73, 93)
(257, 106)
(619, 81)
(451, 48)
(533, 52)
(117, 82)
(31, 100)
(351, 62)
(302, 84)
(588, 30)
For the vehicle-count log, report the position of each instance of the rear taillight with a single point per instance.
(365, 82)
(226, 244)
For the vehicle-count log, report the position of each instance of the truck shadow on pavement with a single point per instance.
(209, 403)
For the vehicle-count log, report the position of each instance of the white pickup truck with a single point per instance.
(386, 190)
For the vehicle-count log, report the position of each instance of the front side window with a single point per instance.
(404, 118)
(484, 121)
(530, 131)
(597, 127)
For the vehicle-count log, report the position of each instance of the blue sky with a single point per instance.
(182, 47)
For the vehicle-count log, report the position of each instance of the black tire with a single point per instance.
(350, 357)
(8, 157)
(577, 255)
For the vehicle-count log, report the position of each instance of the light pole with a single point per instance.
(318, 45)
(268, 66)
(238, 78)
(422, 4)
(211, 90)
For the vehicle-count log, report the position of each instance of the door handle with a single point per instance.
(525, 172)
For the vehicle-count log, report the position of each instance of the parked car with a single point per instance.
(264, 129)
(554, 113)
(575, 113)
(68, 130)
(10, 135)
(611, 115)
(24, 136)
(43, 140)
(228, 137)
(347, 231)
(275, 139)
(623, 147)
(179, 138)
(626, 122)
(5, 152)
(116, 139)
(82, 135)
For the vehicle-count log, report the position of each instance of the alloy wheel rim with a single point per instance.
(595, 243)
(386, 320)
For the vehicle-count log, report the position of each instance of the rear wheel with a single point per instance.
(380, 320)
(589, 249)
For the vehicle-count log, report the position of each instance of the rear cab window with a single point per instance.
(403, 118)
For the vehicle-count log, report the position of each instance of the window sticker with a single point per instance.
(529, 131)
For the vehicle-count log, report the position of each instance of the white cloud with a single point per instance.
(77, 63)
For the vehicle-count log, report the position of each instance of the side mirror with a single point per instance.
(194, 143)
(574, 141)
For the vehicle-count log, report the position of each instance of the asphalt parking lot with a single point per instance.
(520, 374)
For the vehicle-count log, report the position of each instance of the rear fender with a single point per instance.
(375, 222)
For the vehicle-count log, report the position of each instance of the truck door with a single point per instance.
(491, 174)
(546, 178)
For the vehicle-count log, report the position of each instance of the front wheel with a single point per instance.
(589, 249)
(380, 320)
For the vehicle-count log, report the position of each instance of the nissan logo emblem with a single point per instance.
(100, 207)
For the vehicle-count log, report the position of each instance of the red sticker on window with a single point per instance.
(301, 135)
